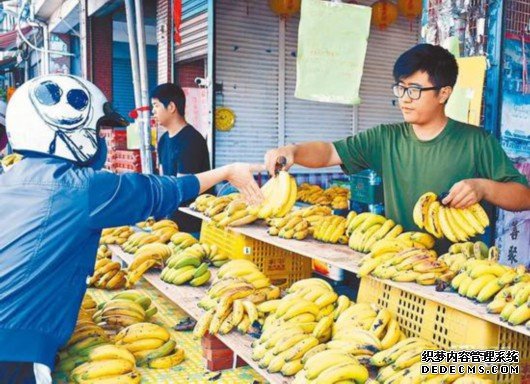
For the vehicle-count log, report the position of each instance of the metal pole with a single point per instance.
(134, 52)
(46, 52)
(147, 165)
(211, 79)
(83, 37)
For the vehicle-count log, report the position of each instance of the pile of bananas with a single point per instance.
(147, 223)
(107, 364)
(181, 241)
(86, 336)
(364, 329)
(10, 160)
(235, 214)
(460, 253)
(280, 197)
(88, 304)
(512, 302)
(164, 229)
(211, 205)
(455, 224)
(124, 309)
(118, 235)
(330, 366)
(185, 268)
(397, 260)
(146, 257)
(103, 252)
(289, 227)
(336, 197)
(331, 229)
(151, 345)
(402, 362)
(296, 325)
(108, 275)
(137, 240)
(366, 228)
(481, 279)
(231, 300)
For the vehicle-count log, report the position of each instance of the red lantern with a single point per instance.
(384, 13)
(285, 8)
(410, 8)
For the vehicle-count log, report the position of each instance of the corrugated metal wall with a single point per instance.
(192, 8)
(247, 65)
(163, 37)
(384, 47)
(194, 34)
(247, 46)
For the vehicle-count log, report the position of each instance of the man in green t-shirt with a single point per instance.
(426, 152)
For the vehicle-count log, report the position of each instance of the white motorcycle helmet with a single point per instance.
(59, 115)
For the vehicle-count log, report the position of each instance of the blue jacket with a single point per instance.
(51, 216)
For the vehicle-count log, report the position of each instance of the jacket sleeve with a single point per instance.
(116, 200)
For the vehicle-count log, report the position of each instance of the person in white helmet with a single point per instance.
(54, 204)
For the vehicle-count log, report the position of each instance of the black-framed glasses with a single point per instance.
(413, 92)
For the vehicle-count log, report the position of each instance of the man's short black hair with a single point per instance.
(170, 93)
(436, 61)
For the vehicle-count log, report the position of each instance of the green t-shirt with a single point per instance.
(410, 167)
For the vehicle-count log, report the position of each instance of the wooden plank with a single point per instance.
(343, 257)
(187, 297)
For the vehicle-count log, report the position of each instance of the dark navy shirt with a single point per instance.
(185, 153)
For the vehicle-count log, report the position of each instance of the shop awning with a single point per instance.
(8, 40)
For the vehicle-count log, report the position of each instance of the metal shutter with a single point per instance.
(191, 8)
(384, 47)
(122, 86)
(309, 120)
(194, 34)
(163, 37)
(247, 66)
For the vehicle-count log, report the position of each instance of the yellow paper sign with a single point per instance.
(465, 103)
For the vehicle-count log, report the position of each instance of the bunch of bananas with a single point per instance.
(339, 197)
(147, 223)
(214, 256)
(455, 224)
(124, 309)
(181, 241)
(364, 329)
(103, 252)
(151, 345)
(460, 253)
(139, 239)
(366, 228)
(330, 366)
(481, 279)
(295, 325)
(331, 229)
(212, 206)
(164, 229)
(396, 260)
(512, 303)
(107, 364)
(118, 235)
(86, 336)
(231, 300)
(280, 197)
(313, 213)
(312, 194)
(146, 257)
(9, 160)
(291, 226)
(108, 275)
(183, 268)
(402, 362)
(88, 304)
(235, 214)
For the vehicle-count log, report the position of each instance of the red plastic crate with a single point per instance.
(129, 156)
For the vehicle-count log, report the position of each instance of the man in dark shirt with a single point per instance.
(182, 150)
